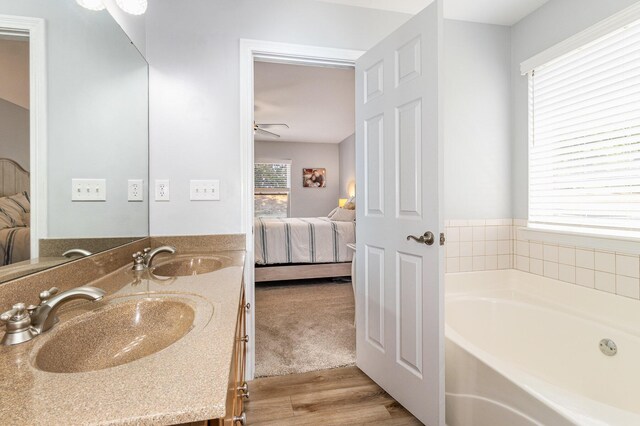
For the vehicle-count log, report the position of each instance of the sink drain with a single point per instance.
(608, 347)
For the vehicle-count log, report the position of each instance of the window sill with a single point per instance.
(620, 244)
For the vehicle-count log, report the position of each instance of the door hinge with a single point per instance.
(442, 239)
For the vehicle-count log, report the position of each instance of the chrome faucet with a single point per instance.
(142, 260)
(156, 251)
(44, 316)
(23, 323)
(77, 252)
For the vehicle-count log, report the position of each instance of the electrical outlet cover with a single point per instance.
(135, 190)
(162, 190)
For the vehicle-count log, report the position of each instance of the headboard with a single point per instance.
(13, 178)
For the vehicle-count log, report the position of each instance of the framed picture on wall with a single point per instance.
(314, 178)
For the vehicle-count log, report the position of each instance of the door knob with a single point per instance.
(427, 238)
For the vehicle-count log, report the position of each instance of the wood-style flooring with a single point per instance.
(342, 396)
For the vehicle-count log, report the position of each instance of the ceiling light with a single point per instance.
(134, 7)
(91, 4)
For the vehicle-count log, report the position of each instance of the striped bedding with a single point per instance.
(302, 240)
(14, 245)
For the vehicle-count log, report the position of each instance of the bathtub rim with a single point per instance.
(591, 412)
(609, 309)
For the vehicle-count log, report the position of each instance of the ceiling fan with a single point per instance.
(259, 128)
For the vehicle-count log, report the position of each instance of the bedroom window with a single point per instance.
(584, 142)
(272, 194)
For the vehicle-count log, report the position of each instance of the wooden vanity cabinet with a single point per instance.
(235, 397)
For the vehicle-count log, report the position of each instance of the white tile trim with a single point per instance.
(578, 239)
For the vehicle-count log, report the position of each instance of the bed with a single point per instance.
(15, 211)
(298, 248)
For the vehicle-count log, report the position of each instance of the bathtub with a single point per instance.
(524, 350)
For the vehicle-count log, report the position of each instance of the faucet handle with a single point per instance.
(147, 250)
(45, 295)
(18, 312)
(138, 261)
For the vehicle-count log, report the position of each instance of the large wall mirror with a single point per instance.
(73, 135)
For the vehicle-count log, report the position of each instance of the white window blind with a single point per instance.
(276, 175)
(272, 180)
(584, 153)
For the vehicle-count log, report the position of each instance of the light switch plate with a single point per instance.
(162, 190)
(88, 190)
(204, 190)
(135, 190)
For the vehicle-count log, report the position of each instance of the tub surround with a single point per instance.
(184, 382)
(496, 244)
(479, 245)
(614, 272)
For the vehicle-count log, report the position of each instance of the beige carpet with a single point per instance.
(305, 326)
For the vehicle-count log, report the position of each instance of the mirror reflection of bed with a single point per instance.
(15, 213)
(304, 208)
(15, 221)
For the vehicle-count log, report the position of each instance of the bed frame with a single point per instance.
(13, 178)
(302, 271)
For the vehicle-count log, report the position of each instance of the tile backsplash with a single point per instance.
(479, 245)
(485, 245)
(610, 271)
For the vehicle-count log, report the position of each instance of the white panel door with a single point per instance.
(399, 289)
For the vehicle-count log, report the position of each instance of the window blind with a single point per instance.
(272, 175)
(584, 153)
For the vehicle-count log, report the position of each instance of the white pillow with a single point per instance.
(344, 215)
(330, 215)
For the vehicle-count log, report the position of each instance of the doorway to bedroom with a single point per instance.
(304, 217)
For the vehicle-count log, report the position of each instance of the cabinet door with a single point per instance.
(235, 404)
(241, 354)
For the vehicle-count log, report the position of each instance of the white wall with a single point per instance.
(14, 133)
(307, 202)
(552, 23)
(347, 165)
(193, 49)
(477, 121)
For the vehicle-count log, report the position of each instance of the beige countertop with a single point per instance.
(187, 381)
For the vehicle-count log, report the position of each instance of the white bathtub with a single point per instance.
(524, 350)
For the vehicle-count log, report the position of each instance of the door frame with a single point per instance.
(268, 51)
(34, 29)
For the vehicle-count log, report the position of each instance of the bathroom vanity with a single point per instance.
(156, 349)
(164, 344)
